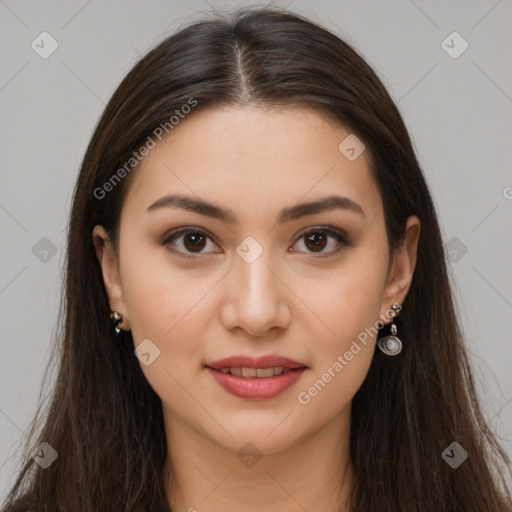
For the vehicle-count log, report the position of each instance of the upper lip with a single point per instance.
(266, 361)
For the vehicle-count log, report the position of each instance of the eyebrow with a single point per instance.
(228, 216)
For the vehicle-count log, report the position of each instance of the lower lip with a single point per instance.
(255, 388)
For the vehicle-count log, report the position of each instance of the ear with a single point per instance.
(402, 268)
(110, 270)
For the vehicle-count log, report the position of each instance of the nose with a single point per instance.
(256, 298)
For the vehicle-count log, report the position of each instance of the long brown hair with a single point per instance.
(103, 418)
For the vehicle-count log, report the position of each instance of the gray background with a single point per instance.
(458, 110)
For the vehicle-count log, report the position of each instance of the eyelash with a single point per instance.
(339, 236)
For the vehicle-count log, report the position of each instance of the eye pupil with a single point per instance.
(196, 243)
(315, 238)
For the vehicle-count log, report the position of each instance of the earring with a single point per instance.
(391, 345)
(116, 319)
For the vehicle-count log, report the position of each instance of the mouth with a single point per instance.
(255, 383)
(258, 373)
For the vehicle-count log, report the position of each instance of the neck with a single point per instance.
(313, 473)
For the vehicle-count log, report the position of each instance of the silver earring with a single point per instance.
(116, 319)
(391, 345)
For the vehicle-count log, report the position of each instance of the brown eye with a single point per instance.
(188, 241)
(194, 241)
(317, 239)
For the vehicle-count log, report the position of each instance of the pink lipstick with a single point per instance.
(256, 378)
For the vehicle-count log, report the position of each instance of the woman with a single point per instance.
(258, 313)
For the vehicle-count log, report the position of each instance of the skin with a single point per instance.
(290, 301)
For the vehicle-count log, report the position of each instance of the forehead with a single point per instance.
(244, 157)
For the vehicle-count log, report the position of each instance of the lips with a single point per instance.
(260, 373)
(262, 362)
(256, 378)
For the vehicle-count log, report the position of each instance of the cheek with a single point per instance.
(348, 305)
(167, 305)
(349, 300)
(158, 295)
(342, 356)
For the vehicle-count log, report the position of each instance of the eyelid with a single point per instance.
(341, 236)
(173, 233)
(176, 233)
(322, 227)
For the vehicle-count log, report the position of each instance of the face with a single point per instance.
(252, 281)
